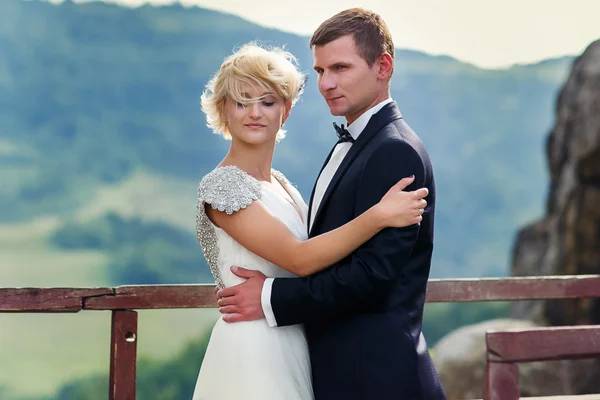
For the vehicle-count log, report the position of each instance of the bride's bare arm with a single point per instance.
(258, 230)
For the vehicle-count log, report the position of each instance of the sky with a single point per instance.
(487, 33)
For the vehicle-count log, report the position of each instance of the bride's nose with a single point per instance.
(254, 111)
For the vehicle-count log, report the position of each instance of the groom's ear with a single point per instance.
(385, 63)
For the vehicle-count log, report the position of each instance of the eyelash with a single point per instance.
(264, 103)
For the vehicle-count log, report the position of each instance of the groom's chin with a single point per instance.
(336, 111)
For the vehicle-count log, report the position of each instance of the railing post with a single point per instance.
(501, 381)
(123, 347)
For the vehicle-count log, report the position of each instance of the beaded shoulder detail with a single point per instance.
(226, 189)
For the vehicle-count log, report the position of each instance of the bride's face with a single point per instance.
(260, 120)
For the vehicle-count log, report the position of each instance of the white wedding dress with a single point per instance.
(249, 360)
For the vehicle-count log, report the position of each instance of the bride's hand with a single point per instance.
(399, 209)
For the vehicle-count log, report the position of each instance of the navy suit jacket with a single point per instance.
(363, 315)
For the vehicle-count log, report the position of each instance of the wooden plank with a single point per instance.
(198, 296)
(46, 299)
(501, 381)
(155, 296)
(515, 288)
(123, 353)
(540, 344)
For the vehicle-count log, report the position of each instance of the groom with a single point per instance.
(363, 315)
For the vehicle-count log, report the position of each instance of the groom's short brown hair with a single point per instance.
(370, 33)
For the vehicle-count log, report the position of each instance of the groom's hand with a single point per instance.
(242, 302)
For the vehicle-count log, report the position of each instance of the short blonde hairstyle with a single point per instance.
(272, 68)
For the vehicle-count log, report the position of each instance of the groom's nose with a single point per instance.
(327, 82)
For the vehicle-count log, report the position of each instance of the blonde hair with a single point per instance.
(272, 68)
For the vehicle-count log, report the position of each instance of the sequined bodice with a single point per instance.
(230, 189)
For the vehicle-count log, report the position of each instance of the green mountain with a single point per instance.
(102, 144)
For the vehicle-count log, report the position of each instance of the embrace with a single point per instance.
(321, 301)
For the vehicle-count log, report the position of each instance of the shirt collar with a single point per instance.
(361, 122)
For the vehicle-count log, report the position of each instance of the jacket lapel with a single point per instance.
(387, 114)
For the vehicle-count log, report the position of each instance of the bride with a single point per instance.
(250, 215)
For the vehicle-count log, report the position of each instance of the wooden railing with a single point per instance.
(507, 348)
(124, 300)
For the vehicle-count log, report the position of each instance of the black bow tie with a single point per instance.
(343, 134)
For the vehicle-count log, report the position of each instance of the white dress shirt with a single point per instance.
(337, 156)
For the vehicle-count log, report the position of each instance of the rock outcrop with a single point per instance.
(567, 240)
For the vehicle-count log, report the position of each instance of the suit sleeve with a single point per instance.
(358, 284)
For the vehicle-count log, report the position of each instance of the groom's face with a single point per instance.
(346, 81)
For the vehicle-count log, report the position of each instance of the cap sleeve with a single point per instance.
(228, 189)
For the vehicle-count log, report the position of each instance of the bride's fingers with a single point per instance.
(420, 193)
(403, 183)
(419, 204)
